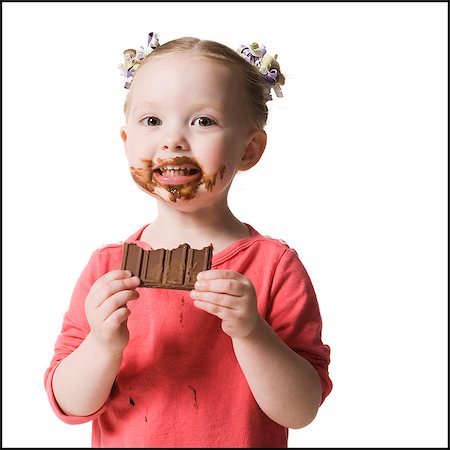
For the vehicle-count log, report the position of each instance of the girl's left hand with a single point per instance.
(231, 297)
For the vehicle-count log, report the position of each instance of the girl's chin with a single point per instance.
(184, 197)
(197, 203)
(178, 196)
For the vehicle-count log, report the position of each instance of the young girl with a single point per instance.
(237, 361)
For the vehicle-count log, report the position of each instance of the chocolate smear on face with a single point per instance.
(209, 182)
(143, 176)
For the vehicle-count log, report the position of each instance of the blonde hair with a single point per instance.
(252, 83)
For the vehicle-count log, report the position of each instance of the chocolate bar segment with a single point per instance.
(196, 262)
(166, 269)
(133, 255)
(175, 266)
(152, 267)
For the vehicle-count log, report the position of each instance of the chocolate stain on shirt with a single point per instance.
(143, 176)
(194, 392)
(181, 314)
(132, 402)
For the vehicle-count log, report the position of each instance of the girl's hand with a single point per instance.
(231, 297)
(106, 309)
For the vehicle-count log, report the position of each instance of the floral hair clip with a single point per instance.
(133, 58)
(267, 66)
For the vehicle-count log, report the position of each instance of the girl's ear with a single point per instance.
(254, 149)
(124, 136)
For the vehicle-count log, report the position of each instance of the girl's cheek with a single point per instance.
(137, 154)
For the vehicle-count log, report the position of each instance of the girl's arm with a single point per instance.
(285, 385)
(83, 380)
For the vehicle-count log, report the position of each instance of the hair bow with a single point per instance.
(266, 64)
(134, 58)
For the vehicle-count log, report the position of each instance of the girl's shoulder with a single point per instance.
(272, 245)
(276, 241)
(256, 248)
(266, 240)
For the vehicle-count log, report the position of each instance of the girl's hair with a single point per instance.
(252, 82)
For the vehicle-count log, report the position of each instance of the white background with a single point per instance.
(354, 178)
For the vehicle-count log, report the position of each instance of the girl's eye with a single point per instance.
(152, 121)
(204, 122)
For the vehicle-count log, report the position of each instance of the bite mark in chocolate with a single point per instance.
(166, 269)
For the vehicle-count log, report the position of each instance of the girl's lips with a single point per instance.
(173, 180)
(176, 171)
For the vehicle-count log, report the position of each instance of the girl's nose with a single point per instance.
(175, 142)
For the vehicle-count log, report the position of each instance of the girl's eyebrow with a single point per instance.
(208, 105)
(203, 106)
(144, 104)
(154, 105)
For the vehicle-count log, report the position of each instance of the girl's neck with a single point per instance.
(216, 225)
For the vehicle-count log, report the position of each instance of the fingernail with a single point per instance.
(128, 273)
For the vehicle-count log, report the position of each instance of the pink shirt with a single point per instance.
(179, 384)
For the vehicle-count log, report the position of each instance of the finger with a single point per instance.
(117, 317)
(216, 310)
(107, 289)
(110, 276)
(223, 300)
(107, 277)
(217, 274)
(113, 275)
(224, 286)
(115, 302)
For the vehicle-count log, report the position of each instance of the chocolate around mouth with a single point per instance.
(143, 176)
(188, 165)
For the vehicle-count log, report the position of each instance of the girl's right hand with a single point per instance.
(106, 309)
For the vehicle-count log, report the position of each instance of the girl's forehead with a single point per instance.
(183, 79)
(175, 56)
(184, 71)
(186, 62)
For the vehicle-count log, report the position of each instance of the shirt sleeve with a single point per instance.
(74, 330)
(295, 316)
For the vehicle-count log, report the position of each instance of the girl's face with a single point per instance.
(187, 133)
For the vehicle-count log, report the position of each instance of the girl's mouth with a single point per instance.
(176, 174)
(181, 177)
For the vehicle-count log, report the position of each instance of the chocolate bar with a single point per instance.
(166, 269)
